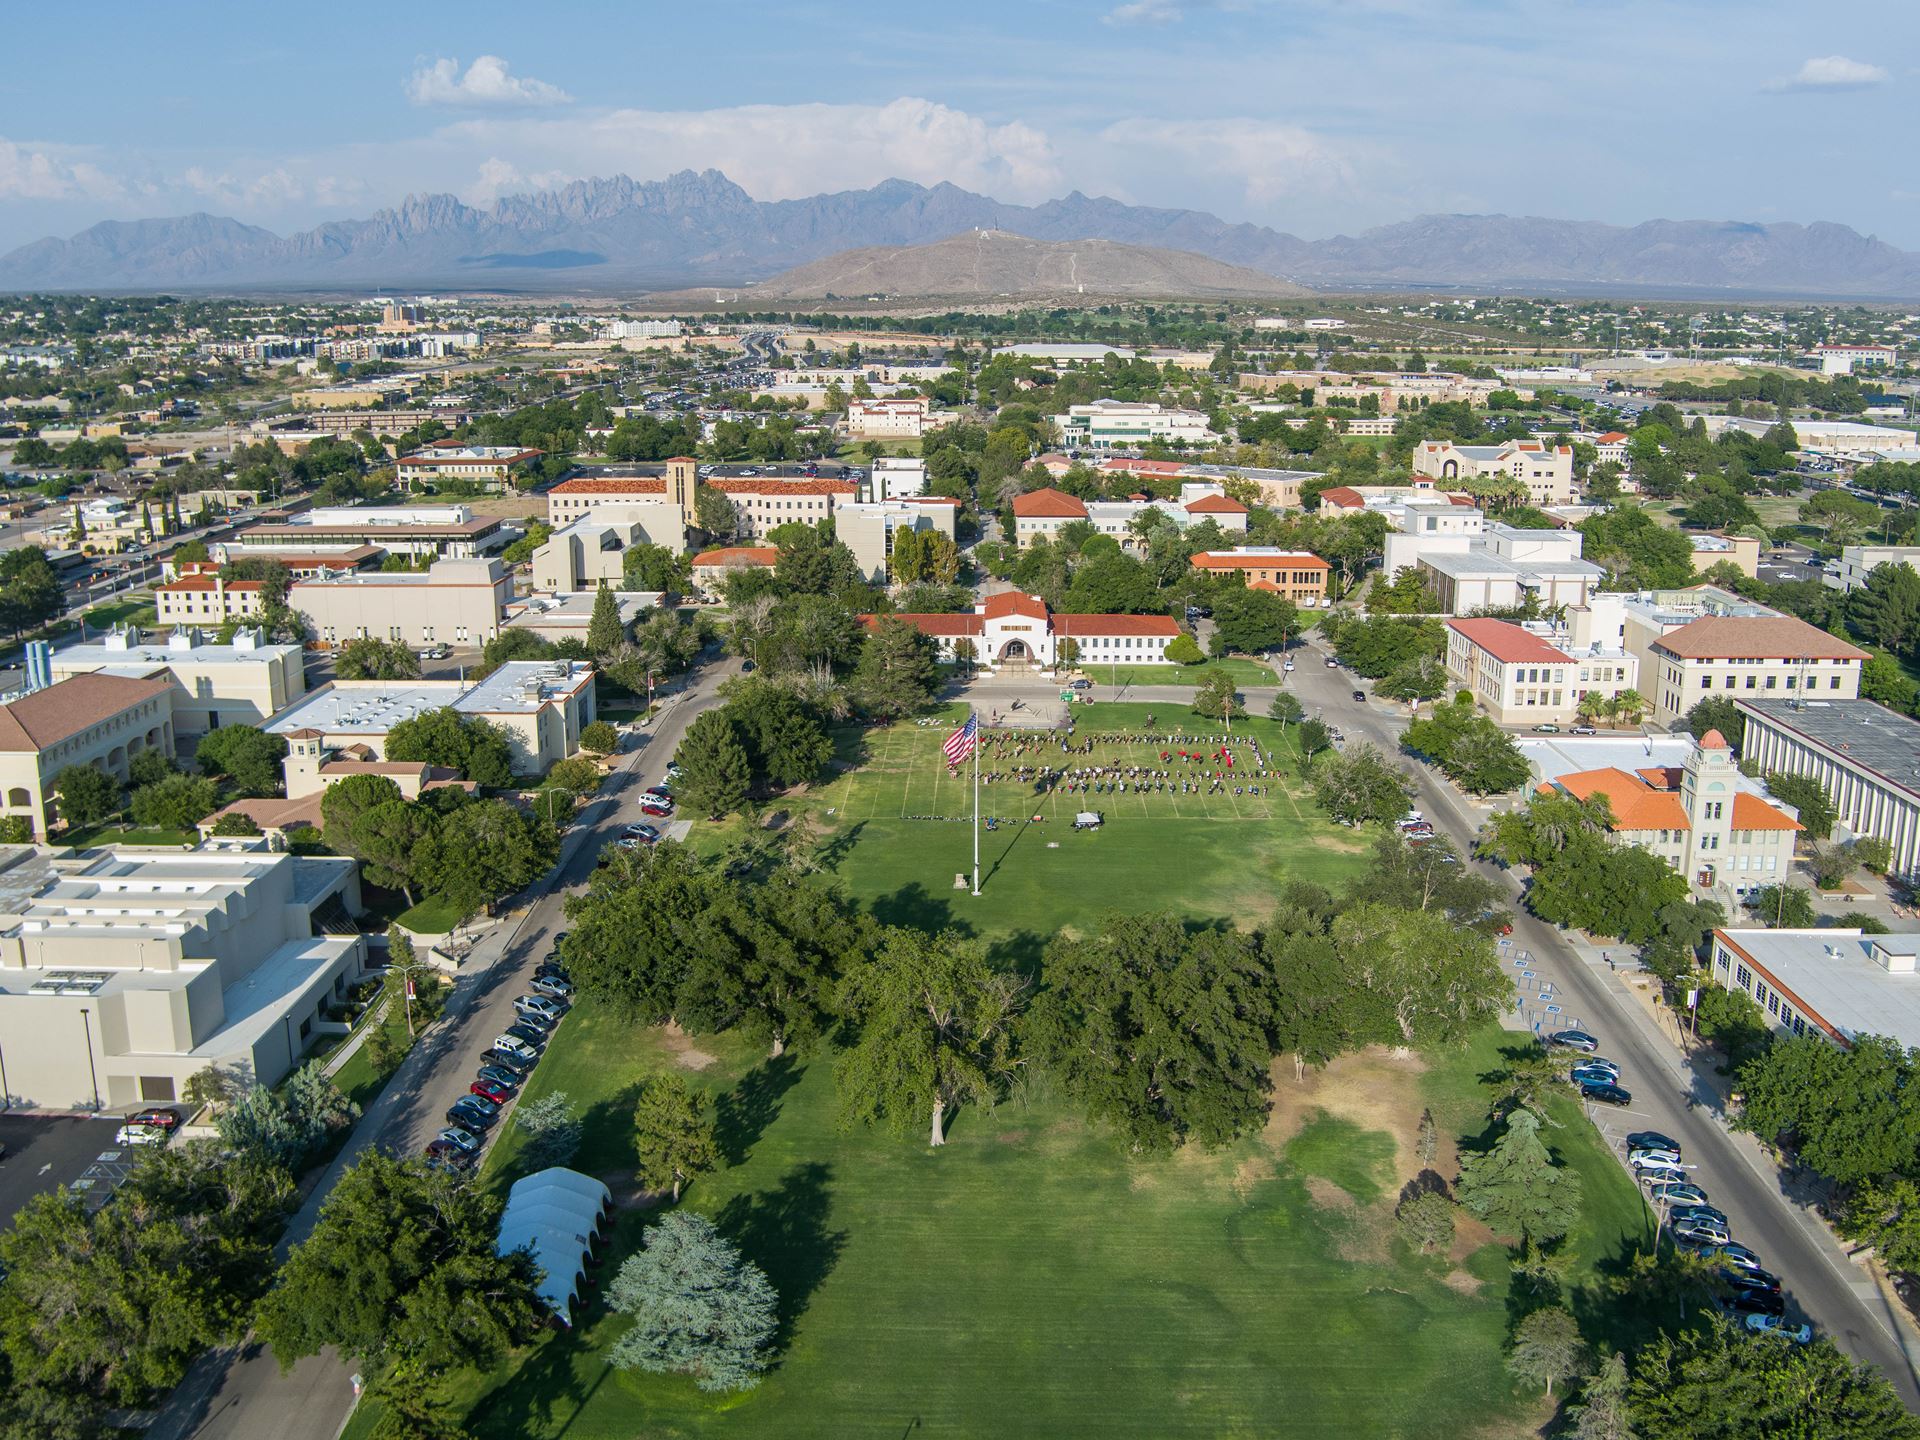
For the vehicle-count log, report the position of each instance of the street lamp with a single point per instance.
(87, 1026)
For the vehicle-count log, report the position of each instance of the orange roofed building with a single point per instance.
(1042, 514)
(1703, 818)
(1296, 575)
(1017, 630)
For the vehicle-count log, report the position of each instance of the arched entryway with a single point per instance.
(1016, 653)
(1449, 469)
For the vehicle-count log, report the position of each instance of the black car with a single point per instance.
(1360, 695)
(1752, 1282)
(472, 1112)
(1652, 1140)
(527, 1034)
(1757, 1302)
(1605, 1093)
(516, 1064)
(552, 968)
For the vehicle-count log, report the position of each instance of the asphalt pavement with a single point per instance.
(240, 1393)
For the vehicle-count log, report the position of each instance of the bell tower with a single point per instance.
(683, 479)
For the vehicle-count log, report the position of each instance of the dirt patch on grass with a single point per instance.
(684, 1053)
(1247, 1175)
(1329, 1196)
(1461, 1281)
(1377, 1089)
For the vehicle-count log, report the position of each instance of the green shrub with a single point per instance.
(600, 737)
(1183, 650)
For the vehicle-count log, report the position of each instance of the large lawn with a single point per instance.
(894, 826)
(1033, 1279)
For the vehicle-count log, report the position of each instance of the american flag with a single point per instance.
(960, 743)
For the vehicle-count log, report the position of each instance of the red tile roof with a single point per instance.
(1143, 467)
(1215, 505)
(936, 625)
(1750, 812)
(1612, 437)
(1097, 625)
(65, 709)
(208, 582)
(741, 555)
(1238, 560)
(1636, 805)
(1345, 497)
(1508, 643)
(1014, 602)
(627, 485)
(1755, 637)
(777, 486)
(1049, 504)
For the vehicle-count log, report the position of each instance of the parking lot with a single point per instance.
(48, 1150)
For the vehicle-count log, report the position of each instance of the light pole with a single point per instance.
(87, 1025)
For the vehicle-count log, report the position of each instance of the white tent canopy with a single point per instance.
(554, 1214)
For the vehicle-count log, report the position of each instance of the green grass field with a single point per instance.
(1244, 672)
(432, 916)
(122, 834)
(1033, 1279)
(1195, 854)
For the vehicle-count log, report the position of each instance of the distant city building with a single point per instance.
(896, 417)
(1546, 473)
(1129, 424)
(492, 467)
(896, 478)
(415, 530)
(1857, 562)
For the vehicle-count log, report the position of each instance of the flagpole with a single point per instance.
(971, 720)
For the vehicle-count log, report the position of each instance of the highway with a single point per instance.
(1820, 1284)
(239, 1393)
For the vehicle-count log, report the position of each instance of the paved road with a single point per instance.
(241, 1394)
(1819, 1282)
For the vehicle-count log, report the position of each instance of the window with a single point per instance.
(1714, 807)
(1834, 684)
(1742, 976)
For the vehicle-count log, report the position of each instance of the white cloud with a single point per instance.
(499, 177)
(36, 172)
(774, 152)
(1144, 12)
(1832, 72)
(1267, 161)
(487, 84)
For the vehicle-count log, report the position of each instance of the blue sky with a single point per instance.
(1313, 116)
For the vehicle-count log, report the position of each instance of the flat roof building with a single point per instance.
(242, 683)
(123, 977)
(1841, 984)
(1866, 756)
(542, 705)
(558, 616)
(449, 530)
(456, 602)
(492, 467)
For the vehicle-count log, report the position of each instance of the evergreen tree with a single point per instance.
(604, 631)
(1602, 1413)
(896, 673)
(673, 1134)
(698, 1307)
(1547, 1347)
(715, 775)
(1516, 1187)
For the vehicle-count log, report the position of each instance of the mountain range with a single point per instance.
(701, 228)
(983, 264)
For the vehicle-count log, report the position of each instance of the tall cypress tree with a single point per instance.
(604, 631)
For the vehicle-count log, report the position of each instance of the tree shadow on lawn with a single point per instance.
(916, 908)
(546, 1391)
(834, 852)
(741, 1115)
(784, 1231)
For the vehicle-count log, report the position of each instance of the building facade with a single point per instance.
(1840, 984)
(1013, 631)
(1857, 562)
(121, 981)
(893, 417)
(413, 530)
(1547, 473)
(245, 682)
(1532, 674)
(457, 602)
(1748, 657)
(492, 467)
(1296, 575)
(711, 567)
(92, 719)
(199, 596)
(1042, 514)
(1129, 424)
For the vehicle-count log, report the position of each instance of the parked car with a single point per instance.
(1288, 667)
(465, 1139)
(526, 1034)
(544, 1006)
(1360, 695)
(1652, 1159)
(518, 1045)
(1662, 1175)
(554, 985)
(673, 771)
(1739, 1257)
(515, 1067)
(473, 1112)
(1754, 1280)
(1701, 1232)
(491, 1090)
(1549, 728)
(1604, 1093)
(1701, 1212)
(659, 808)
(167, 1120)
(1761, 1324)
(1684, 1192)
(657, 792)
(445, 1152)
(1595, 1065)
(1651, 1140)
(1757, 1302)
(1574, 1040)
(140, 1135)
(435, 652)
(1586, 730)
(641, 834)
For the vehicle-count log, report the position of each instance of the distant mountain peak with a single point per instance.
(699, 227)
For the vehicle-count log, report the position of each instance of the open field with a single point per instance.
(1034, 1279)
(1244, 672)
(895, 827)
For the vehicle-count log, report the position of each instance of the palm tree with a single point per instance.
(1629, 707)
(1593, 706)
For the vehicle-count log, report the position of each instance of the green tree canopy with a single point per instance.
(698, 1307)
(475, 748)
(1516, 1187)
(367, 658)
(246, 756)
(672, 1134)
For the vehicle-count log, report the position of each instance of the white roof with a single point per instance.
(553, 1214)
(1833, 974)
